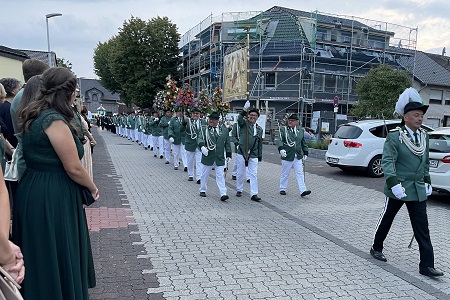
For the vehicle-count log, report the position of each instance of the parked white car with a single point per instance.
(359, 145)
(440, 160)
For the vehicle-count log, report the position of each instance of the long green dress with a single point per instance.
(49, 223)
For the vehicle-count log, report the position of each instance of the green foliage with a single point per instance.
(378, 92)
(322, 144)
(137, 60)
(61, 62)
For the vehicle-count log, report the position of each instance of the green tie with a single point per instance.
(416, 139)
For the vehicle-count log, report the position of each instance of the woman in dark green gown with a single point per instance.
(49, 222)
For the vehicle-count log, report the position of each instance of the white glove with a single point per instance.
(283, 153)
(305, 157)
(227, 160)
(156, 119)
(143, 130)
(247, 104)
(171, 140)
(428, 189)
(204, 151)
(398, 191)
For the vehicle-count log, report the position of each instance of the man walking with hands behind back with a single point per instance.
(406, 170)
(293, 149)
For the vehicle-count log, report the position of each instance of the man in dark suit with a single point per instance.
(214, 143)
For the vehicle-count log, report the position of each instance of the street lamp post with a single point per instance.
(48, 16)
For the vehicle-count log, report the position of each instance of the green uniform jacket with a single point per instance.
(295, 146)
(139, 121)
(222, 144)
(147, 127)
(410, 170)
(234, 138)
(164, 124)
(177, 130)
(192, 134)
(157, 130)
(254, 144)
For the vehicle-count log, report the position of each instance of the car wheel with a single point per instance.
(374, 168)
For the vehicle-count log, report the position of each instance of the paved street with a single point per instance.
(154, 237)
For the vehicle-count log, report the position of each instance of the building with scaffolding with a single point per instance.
(298, 61)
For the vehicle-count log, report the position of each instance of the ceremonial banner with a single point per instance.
(235, 75)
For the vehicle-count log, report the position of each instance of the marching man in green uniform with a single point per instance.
(293, 150)
(164, 123)
(176, 132)
(406, 170)
(249, 151)
(214, 143)
(157, 134)
(193, 130)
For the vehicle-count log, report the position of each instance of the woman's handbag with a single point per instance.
(9, 289)
(11, 171)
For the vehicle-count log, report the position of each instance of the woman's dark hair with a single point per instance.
(56, 88)
(84, 110)
(29, 94)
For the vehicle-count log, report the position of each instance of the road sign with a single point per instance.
(336, 101)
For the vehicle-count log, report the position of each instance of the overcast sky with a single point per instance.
(84, 23)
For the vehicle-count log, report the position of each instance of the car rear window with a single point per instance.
(440, 143)
(348, 132)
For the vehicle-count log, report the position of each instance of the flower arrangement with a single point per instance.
(204, 103)
(159, 103)
(170, 93)
(185, 98)
(222, 107)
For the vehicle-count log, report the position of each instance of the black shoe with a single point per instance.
(255, 198)
(224, 197)
(203, 194)
(151, 148)
(430, 272)
(378, 255)
(233, 177)
(198, 181)
(145, 148)
(282, 192)
(185, 169)
(175, 168)
(154, 155)
(191, 179)
(161, 156)
(167, 162)
(248, 180)
(305, 193)
(238, 194)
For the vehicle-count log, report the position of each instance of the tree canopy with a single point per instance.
(136, 62)
(378, 92)
(61, 62)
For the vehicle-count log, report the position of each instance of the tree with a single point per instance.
(138, 59)
(61, 62)
(378, 92)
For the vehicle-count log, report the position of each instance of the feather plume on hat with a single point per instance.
(409, 95)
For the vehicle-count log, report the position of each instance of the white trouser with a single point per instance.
(198, 163)
(136, 135)
(167, 147)
(220, 178)
(252, 174)
(117, 130)
(286, 167)
(128, 133)
(183, 155)
(139, 137)
(176, 154)
(158, 144)
(235, 167)
(150, 141)
(145, 140)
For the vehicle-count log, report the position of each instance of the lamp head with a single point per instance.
(48, 16)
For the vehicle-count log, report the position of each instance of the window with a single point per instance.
(270, 80)
(330, 83)
(447, 102)
(436, 96)
(346, 38)
(435, 101)
(321, 35)
(94, 97)
(318, 82)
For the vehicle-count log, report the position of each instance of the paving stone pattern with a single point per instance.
(181, 246)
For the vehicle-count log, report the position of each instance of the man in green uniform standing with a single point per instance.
(293, 151)
(164, 123)
(214, 143)
(406, 170)
(176, 132)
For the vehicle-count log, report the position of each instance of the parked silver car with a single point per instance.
(440, 160)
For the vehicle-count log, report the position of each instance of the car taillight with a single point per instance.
(330, 141)
(351, 144)
(446, 159)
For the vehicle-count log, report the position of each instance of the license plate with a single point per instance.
(433, 163)
(332, 160)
